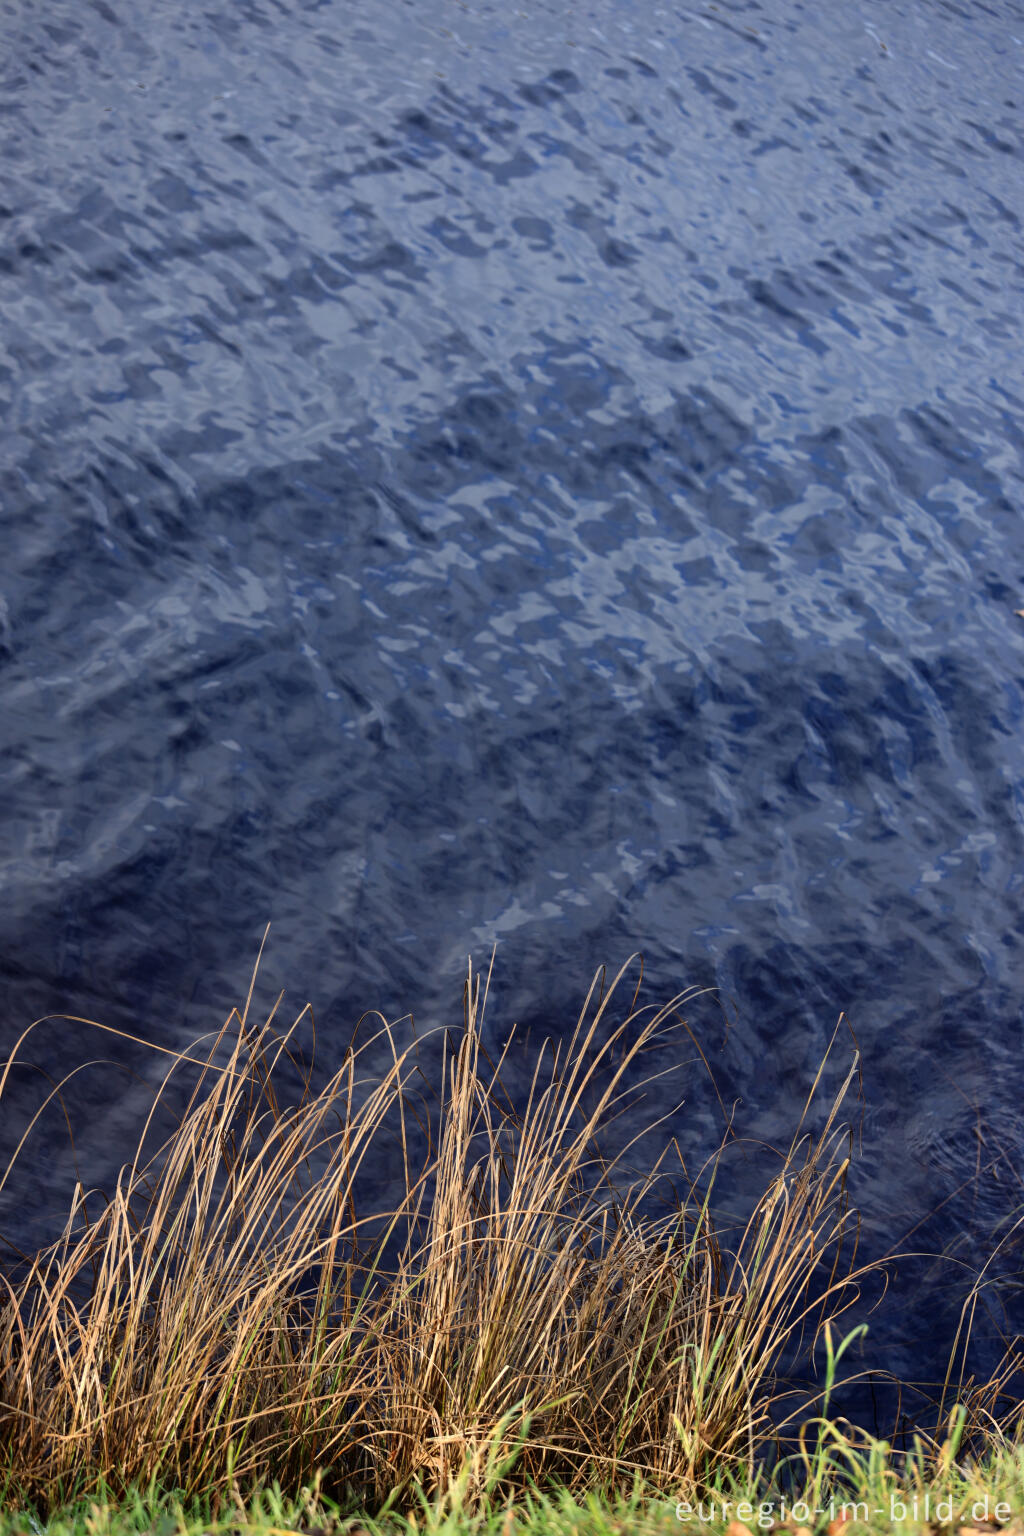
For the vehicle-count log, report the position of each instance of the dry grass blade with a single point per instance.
(518, 1312)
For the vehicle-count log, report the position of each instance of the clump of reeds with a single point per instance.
(517, 1311)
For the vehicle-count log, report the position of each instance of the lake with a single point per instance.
(545, 473)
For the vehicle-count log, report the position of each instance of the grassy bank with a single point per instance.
(235, 1315)
(852, 1489)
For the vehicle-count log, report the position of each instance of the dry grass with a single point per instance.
(517, 1317)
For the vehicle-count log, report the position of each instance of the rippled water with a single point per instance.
(548, 472)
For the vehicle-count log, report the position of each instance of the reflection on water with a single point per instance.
(549, 475)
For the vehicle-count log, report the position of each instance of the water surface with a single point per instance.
(546, 473)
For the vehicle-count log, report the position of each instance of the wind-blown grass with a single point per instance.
(517, 1318)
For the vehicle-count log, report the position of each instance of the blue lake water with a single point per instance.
(548, 472)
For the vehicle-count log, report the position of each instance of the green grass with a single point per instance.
(519, 1322)
(865, 1490)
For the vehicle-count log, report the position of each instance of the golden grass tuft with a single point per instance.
(518, 1314)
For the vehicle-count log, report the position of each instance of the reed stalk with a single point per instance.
(521, 1313)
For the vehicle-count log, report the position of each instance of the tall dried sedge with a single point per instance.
(517, 1303)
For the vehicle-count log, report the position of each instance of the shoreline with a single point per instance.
(232, 1316)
